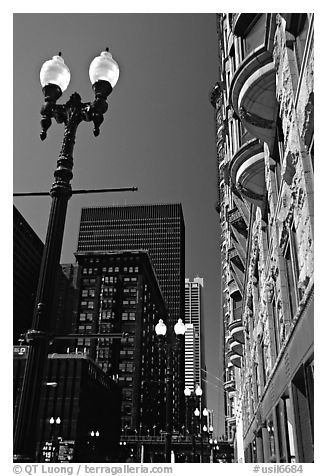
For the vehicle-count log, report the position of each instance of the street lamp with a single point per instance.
(198, 413)
(54, 78)
(161, 330)
(198, 391)
(94, 435)
(54, 437)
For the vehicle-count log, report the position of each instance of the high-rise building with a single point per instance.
(194, 316)
(27, 256)
(119, 294)
(158, 228)
(265, 158)
(190, 374)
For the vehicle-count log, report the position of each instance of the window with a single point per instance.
(278, 153)
(311, 152)
(254, 35)
(276, 323)
(292, 271)
(297, 27)
(271, 437)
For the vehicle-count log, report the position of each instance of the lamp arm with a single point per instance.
(73, 112)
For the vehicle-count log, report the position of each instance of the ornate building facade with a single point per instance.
(265, 159)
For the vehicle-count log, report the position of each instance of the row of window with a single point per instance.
(110, 269)
(128, 316)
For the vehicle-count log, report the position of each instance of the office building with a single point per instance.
(27, 256)
(159, 229)
(190, 373)
(119, 306)
(265, 159)
(194, 316)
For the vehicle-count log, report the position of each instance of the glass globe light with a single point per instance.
(104, 68)
(205, 428)
(187, 391)
(56, 72)
(58, 420)
(92, 433)
(197, 412)
(198, 391)
(51, 421)
(211, 428)
(97, 433)
(179, 328)
(205, 412)
(161, 328)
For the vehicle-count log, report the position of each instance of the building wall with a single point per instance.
(64, 313)
(84, 398)
(190, 374)
(119, 293)
(194, 315)
(264, 119)
(27, 255)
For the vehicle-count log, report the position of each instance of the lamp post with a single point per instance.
(54, 78)
(161, 330)
(190, 424)
(94, 435)
(198, 393)
(54, 437)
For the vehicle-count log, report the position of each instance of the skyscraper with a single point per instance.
(190, 375)
(194, 323)
(120, 294)
(158, 228)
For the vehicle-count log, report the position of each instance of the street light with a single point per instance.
(187, 392)
(54, 78)
(54, 440)
(94, 435)
(161, 331)
(198, 391)
(198, 413)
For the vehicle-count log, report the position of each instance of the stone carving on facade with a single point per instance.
(269, 289)
(289, 167)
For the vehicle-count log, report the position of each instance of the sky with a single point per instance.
(158, 133)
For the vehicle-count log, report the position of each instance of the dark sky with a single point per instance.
(158, 133)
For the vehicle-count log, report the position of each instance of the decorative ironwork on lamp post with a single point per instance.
(161, 330)
(54, 78)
